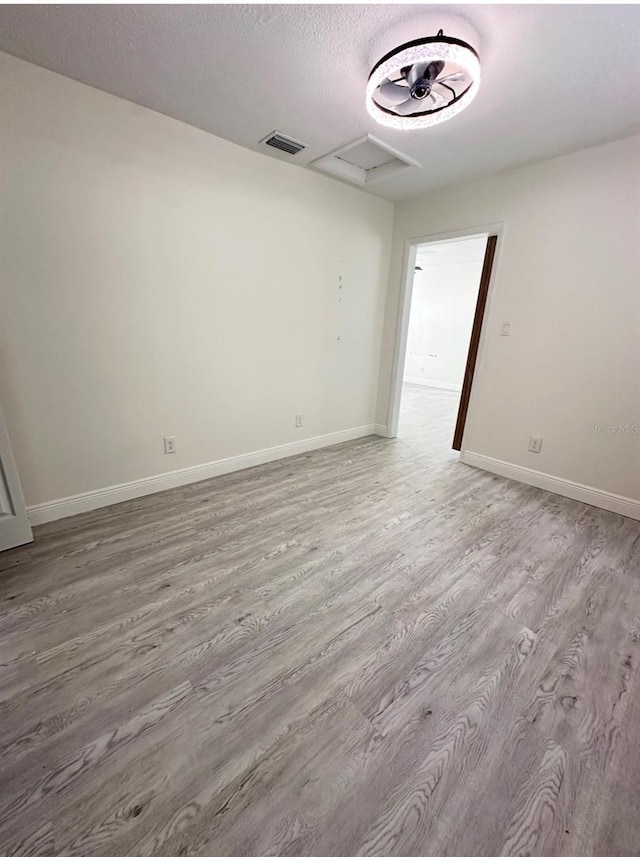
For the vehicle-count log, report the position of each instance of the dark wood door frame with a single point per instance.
(476, 330)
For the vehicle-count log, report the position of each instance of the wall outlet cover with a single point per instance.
(535, 444)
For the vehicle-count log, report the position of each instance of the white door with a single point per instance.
(14, 524)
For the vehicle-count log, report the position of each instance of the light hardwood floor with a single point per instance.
(370, 650)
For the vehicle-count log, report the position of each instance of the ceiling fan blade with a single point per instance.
(413, 105)
(433, 69)
(417, 71)
(392, 93)
(408, 106)
(458, 75)
(424, 71)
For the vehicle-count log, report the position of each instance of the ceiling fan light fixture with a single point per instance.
(423, 82)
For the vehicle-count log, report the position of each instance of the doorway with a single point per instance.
(444, 298)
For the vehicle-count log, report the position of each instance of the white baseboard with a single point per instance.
(52, 510)
(439, 385)
(381, 430)
(626, 506)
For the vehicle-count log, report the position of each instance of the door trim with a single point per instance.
(404, 309)
(15, 528)
(474, 342)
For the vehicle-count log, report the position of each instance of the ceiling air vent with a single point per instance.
(286, 144)
(364, 161)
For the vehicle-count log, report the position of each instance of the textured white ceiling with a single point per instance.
(555, 78)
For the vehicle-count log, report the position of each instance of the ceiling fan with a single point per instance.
(423, 82)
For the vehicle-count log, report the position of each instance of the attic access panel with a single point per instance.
(364, 161)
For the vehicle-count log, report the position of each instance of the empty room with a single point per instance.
(319, 430)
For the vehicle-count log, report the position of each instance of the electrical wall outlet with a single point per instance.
(169, 445)
(505, 328)
(298, 420)
(535, 444)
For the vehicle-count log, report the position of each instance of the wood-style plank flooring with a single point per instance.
(370, 650)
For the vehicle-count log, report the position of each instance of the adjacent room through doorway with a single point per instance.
(444, 297)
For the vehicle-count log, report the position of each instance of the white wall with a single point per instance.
(157, 280)
(443, 304)
(568, 280)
